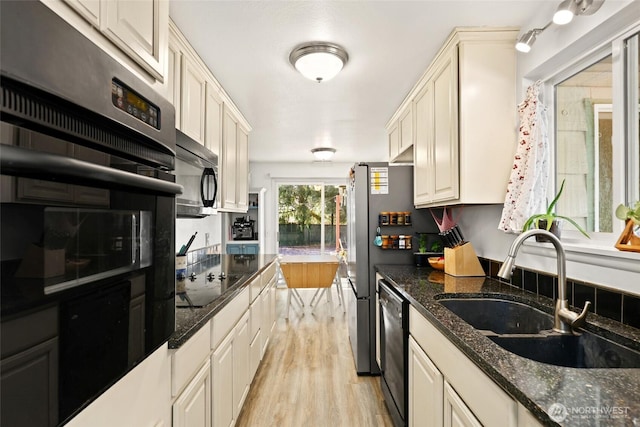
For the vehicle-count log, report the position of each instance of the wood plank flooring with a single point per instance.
(307, 376)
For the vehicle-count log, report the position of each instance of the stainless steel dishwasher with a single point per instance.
(394, 333)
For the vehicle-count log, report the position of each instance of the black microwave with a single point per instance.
(196, 170)
(87, 202)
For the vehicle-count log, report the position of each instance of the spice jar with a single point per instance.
(407, 242)
(395, 241)
(383, 218)
(400, 218)
(407, 218)
(393, 218)
(386, 242)
(401, 242)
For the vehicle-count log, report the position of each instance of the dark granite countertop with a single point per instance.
(189, 321)
(593, 397)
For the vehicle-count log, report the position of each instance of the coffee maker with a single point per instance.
(243, 229)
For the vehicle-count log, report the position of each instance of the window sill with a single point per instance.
(592, 253)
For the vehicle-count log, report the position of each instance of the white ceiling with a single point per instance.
(246, 44)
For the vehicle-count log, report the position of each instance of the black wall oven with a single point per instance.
(87, 218)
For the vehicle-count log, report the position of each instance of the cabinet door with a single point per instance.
(394, 142)
(213, 120)
(265, 325)
(242, 170)
(193, 93)
(377, 324)
(174, 78)
(456, 412)
(406, 130)
(423, 146)
(193, 406)
(250, 249)
(445, 125)
(222, 368)
(88, 9)
(134, 26)
(229, 155)
(240, 364)
(425, 389)
(29, 386)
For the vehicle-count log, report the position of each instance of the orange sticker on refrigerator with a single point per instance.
(379, 180)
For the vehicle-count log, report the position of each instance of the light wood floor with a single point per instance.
(307, 376)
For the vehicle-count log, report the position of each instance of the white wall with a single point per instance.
(268, 175)
(185, 227)
(554, 49)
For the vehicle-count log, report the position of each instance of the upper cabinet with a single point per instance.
(206, 113)
(400, 135)
(464, 120)
(138, 28)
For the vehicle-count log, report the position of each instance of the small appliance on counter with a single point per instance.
(243, 229)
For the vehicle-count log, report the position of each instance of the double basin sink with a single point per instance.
(528, 332)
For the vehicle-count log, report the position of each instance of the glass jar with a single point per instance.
(393, 218)
(386, 242)
(383, 218)
(401, 242)
(400, 218)
(407, 242)
(395, 241)
(407, 218)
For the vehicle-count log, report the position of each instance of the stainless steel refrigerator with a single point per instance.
(374, 188)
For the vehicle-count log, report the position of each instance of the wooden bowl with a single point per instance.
(436, 262)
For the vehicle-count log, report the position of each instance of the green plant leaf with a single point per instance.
(575, 224)
(555, 200)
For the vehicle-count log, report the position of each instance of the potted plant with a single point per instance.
(550, 220)
(425, 250)
(630, 215)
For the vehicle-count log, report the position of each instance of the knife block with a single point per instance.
(462, 261)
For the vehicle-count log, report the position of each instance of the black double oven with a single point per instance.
(87, 151)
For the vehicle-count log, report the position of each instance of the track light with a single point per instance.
(529, 38)
(565, 12)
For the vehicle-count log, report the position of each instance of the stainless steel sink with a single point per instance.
(527, 332)
(499, 316)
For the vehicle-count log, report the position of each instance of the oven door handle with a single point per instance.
(208, 175)
(19, 161)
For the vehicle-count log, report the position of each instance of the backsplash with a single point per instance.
(618, 306)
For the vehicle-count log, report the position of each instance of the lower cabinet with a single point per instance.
(425, 389)
(456, 413)
(243, 248)
(228, 350)
(193, 407)
(448, 389)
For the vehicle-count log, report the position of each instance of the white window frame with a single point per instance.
(600, 249)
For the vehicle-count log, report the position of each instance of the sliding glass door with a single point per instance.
(311, 218)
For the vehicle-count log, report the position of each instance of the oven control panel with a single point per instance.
(133, 104)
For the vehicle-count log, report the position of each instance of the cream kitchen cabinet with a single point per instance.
(193, 407)
(465, 119)
(426, 389)
(206, 113)
(192, 100)
(137, 28)
(234, 168)
(457, 392)
(400, 135)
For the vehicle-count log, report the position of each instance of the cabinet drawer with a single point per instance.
(268, 274)
(490, 404)
(255, 288)
(227, 318)
(186, 360)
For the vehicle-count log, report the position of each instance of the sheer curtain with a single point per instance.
(527, 185)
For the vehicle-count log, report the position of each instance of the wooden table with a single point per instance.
(308, 271)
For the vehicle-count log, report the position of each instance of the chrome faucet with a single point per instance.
(564, 320)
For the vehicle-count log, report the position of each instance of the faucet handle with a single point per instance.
(582, 317)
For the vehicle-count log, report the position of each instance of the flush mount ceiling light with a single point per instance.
(323, 154)
(570, 8)
(319, 61)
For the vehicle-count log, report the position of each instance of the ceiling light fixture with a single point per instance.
(323, 154)
(319, 61)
